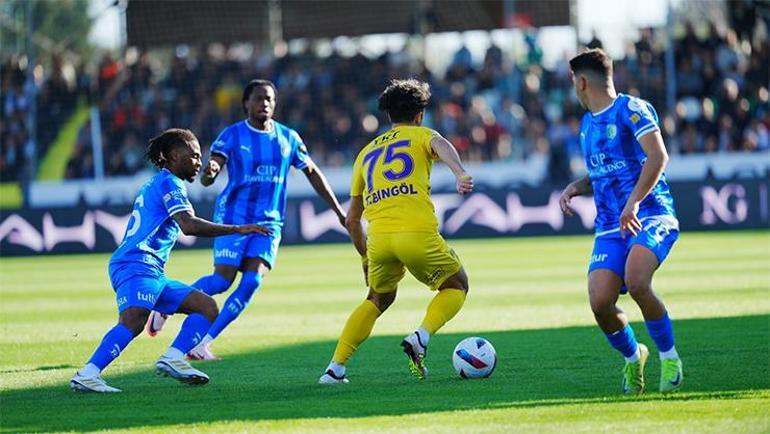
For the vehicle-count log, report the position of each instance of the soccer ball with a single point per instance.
(474, 358)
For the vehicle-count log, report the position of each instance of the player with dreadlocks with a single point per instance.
(136, 268)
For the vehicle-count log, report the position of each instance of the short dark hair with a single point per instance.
(159, 146)
(594, 61)
(250, 88)
(402, 100)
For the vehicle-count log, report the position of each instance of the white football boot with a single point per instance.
(329, 377)
(81, 383)
(202, 352)
(180, 370)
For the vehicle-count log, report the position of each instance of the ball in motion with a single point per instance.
(474, 357)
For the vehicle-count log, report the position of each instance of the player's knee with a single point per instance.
(227, 271)
(638, 288)
(381, 300)
(458, 280)
(134, 319)
(601, 306)
(209, 309)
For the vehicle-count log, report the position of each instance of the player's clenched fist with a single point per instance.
(464, 183)
(212, 169)
(565, 199)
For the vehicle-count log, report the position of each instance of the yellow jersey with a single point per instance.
(392, 173)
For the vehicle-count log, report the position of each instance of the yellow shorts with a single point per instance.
(425, 254)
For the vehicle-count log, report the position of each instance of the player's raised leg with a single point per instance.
(201, 310)
(603, 289)
(130, 324)
(357, 328)
(215, 283)
(640, 268)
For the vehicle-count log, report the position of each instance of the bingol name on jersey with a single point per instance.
(385, 193)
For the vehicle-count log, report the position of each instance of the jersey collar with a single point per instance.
(606, 108)
(270, 131)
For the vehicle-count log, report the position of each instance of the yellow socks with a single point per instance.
(357, 329)
(442, 308)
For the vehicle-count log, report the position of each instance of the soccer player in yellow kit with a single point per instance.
(391, 189)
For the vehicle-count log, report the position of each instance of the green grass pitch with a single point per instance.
(555, 373)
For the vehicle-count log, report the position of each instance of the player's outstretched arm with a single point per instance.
(356, 230)
(578, 187)
(657, 158)
(212, 169)
(448, 154)
(322, 187)
(192, 225)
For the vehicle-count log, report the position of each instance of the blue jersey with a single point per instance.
(151, 231)
(614, 158)
(258, 163)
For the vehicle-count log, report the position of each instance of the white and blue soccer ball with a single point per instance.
(474, 357)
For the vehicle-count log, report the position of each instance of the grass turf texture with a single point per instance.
(555, 373)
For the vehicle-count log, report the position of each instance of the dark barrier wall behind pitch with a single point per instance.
(739, 204)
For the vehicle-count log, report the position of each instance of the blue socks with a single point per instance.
(624, 341)
(192, 332)
(662, 333)
(112, 344)
(237, 302)
(212, 284)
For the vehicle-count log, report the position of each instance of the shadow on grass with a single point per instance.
(723, 358)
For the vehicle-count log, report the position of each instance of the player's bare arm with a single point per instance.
(448, 154)
(579, 187)
(192, 225)
(322, 187)
(212, 169)
(356, 230)
(657, 158)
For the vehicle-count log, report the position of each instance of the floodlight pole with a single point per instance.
(274, 22)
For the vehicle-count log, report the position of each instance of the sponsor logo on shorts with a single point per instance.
(141, 296)
(599, 257)
(122, 300)
(434, 276)
(226, 253)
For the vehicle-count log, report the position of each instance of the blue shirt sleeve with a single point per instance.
(223, 144)
(300, 158)
(640, 117)
(174, 197)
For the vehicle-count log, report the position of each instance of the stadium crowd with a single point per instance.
(499, 109)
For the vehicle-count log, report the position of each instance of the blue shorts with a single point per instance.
(610, 252)
(152, 293)
(233, 249)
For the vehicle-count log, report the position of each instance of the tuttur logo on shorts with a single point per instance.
(599, 257)
(226, 253)
(141, 296)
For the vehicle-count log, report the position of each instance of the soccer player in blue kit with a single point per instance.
(259, 153)
(636, 225)
(136, 268)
